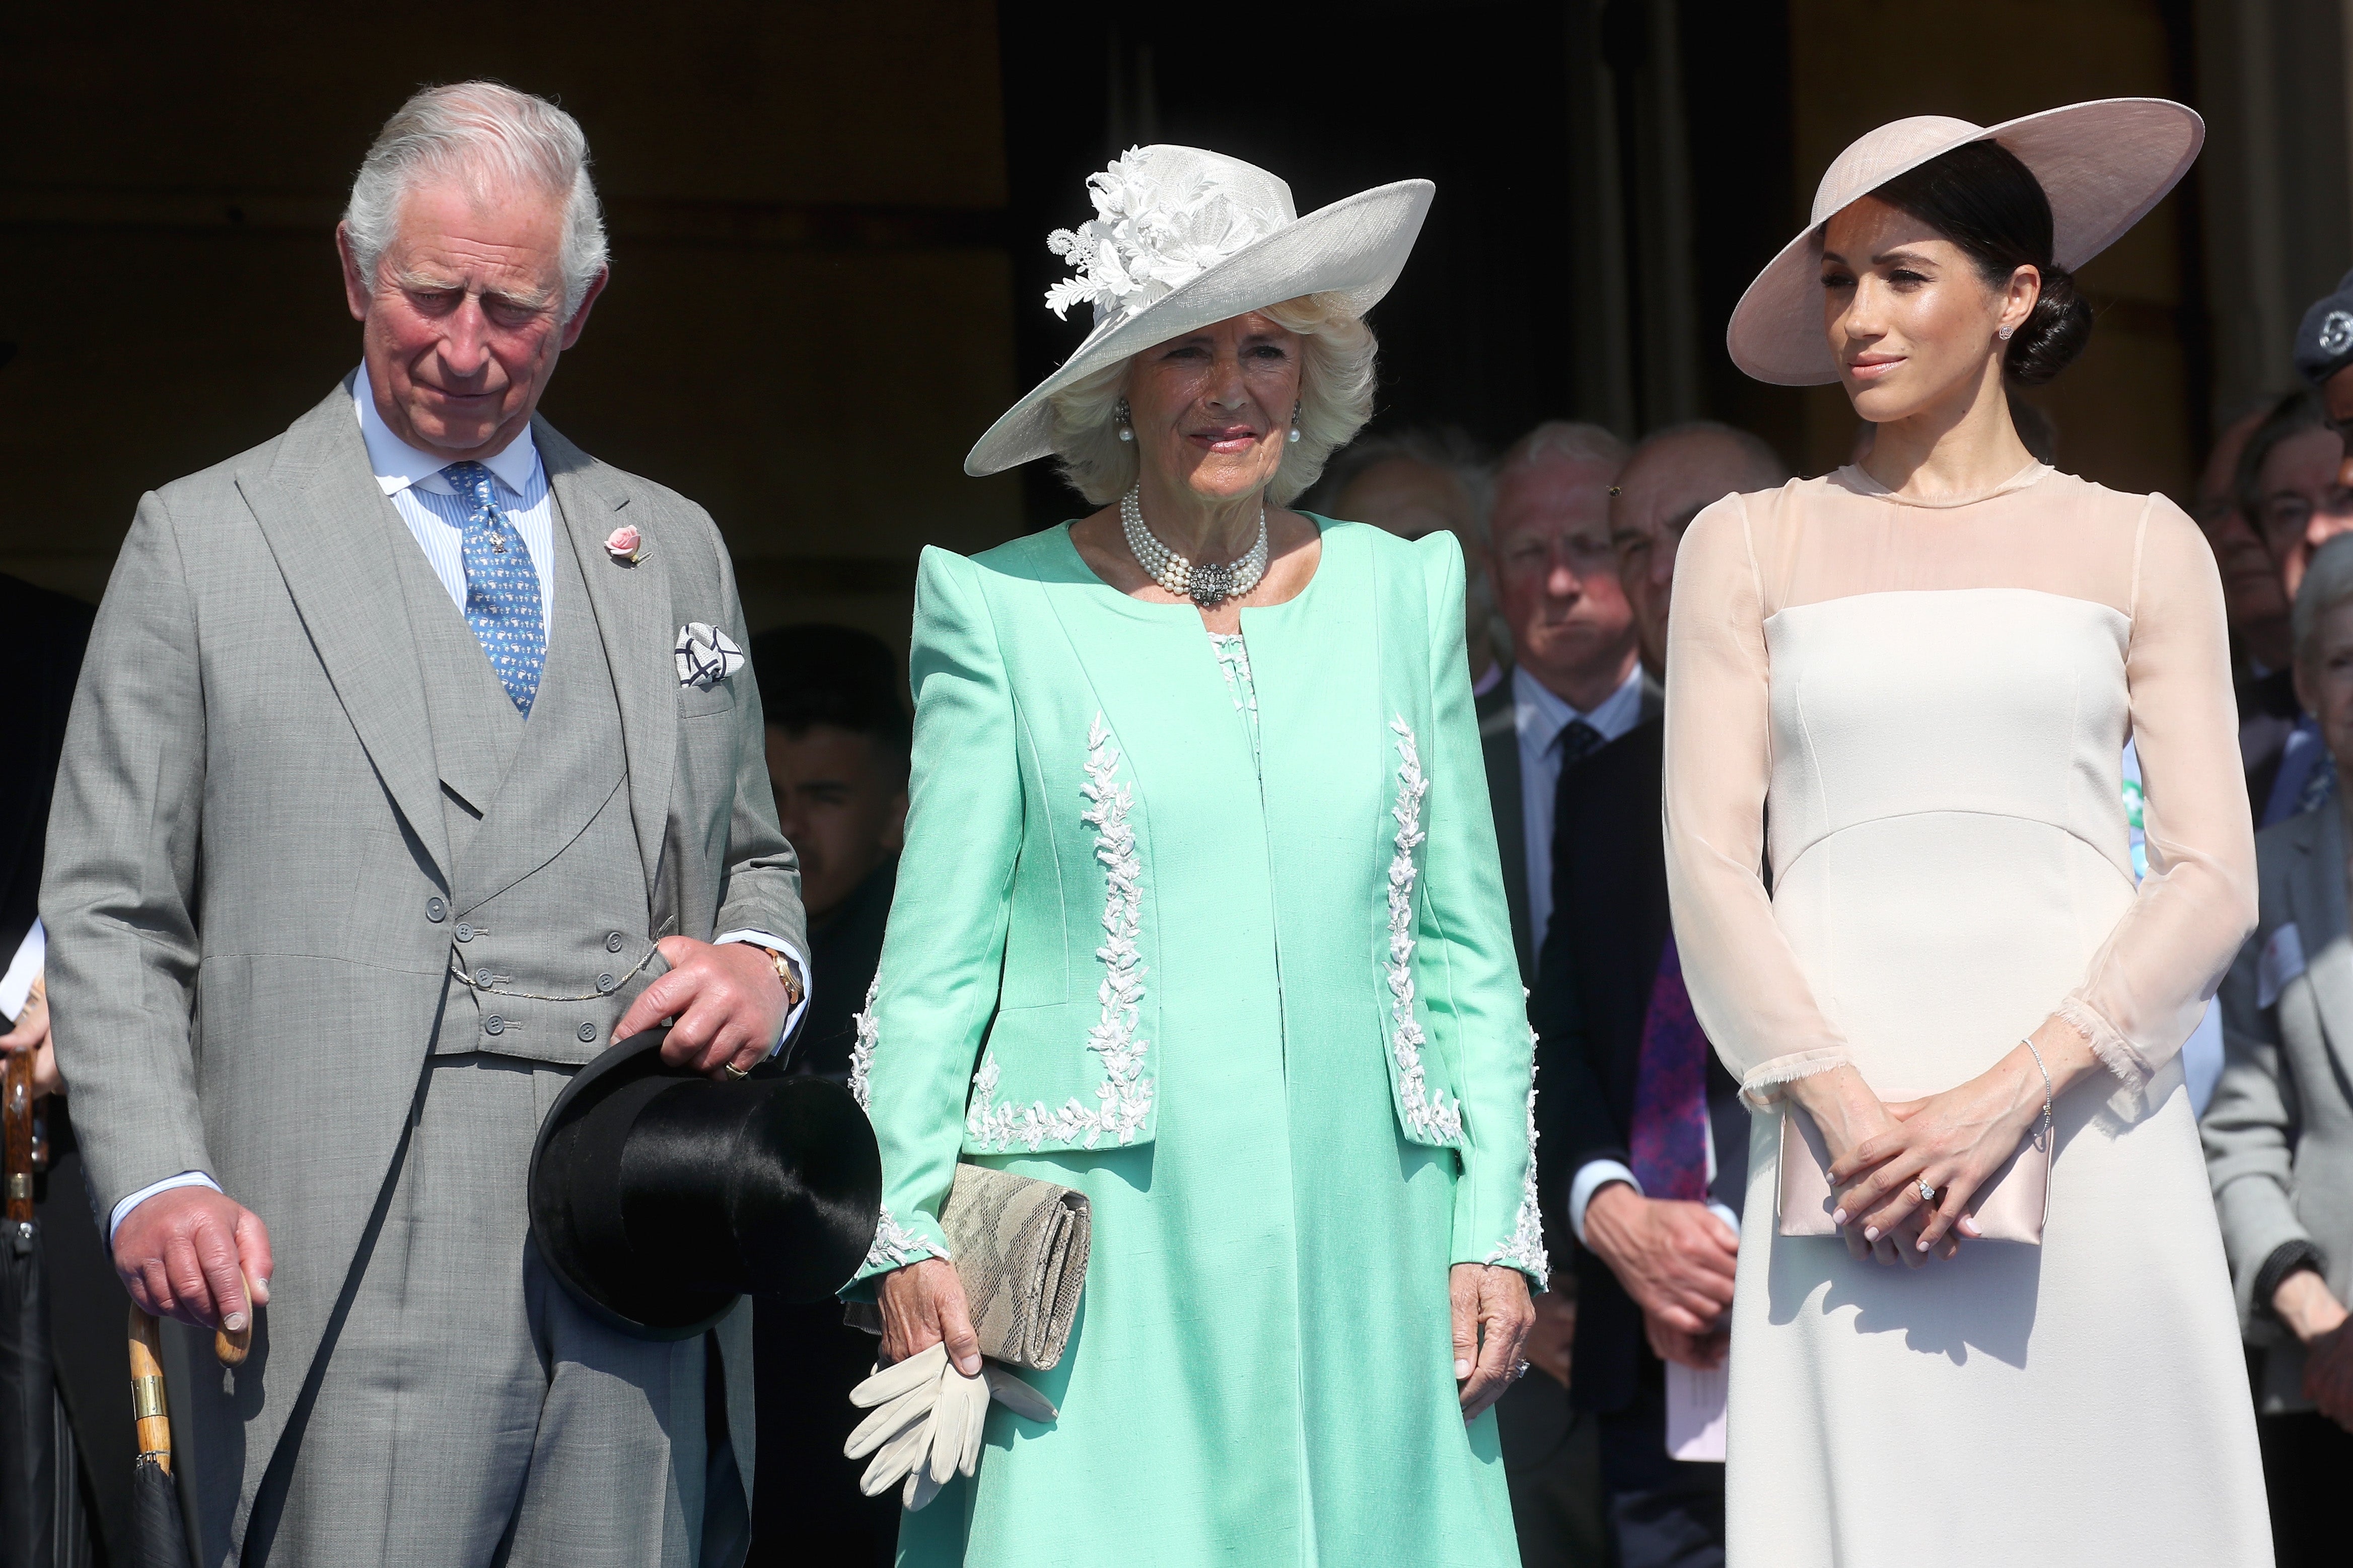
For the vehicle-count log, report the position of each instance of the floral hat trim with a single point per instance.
(1155, 230)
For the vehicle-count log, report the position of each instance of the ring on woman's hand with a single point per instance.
(1519, 1371)
(1927, 1192)
(735, 1074)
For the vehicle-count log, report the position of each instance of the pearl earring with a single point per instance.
(1119, 412)
(1295, 424)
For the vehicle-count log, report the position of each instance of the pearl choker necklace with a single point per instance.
(1207, 586)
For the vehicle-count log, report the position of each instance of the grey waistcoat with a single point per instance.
(548, 894)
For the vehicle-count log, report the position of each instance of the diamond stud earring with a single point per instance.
(2004, 333)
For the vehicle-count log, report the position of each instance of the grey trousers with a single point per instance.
(472, 1413)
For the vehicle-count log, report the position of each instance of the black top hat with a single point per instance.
(658, 1197)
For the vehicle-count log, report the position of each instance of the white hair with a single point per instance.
(491, 136)
(2327, 582)
(1572, 439)
(1335, 398)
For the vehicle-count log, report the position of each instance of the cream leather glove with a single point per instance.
(927, 1422)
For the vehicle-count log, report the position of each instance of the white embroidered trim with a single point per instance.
(1524, 1249)
(1123, 1098)
(895, 1247)
(861, 1050)
(1425, 1114)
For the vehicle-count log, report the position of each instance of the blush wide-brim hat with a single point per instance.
(1185, 239)
(2103, 166)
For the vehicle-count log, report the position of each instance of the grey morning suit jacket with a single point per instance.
(2279, 1131)
(250, 891)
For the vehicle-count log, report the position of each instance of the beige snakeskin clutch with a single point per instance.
(1020, 1247)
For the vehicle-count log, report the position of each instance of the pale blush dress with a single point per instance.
(1927, 704)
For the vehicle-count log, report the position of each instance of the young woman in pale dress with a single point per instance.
(1902, 888)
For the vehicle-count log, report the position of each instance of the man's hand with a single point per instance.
(1674, 1258)
(179, 1254)
(32, 1034)
(1553, 1339)
(727, 1001)
(1703, 1352)
(2317, 1319)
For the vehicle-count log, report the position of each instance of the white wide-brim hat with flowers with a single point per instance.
(1182, 240)
(2103, 166)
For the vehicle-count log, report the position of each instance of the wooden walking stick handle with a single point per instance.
(147, 1407)
(16, 1133)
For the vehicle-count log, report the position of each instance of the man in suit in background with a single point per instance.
(838, 738)
(1645, 1145)
(414, 762)
(1574, 681)
(1572, 684)
(837, 754)
(2279, 1130)
(1413, 483)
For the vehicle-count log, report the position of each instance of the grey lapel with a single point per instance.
(319, 507)
(2316, 896)
(1499, 740)
(636, 622)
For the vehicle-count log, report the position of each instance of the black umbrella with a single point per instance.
(28, 1424)
(156, 1523)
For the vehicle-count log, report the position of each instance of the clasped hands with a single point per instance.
(1881, 1151)
(1676, 1259)
(187, 1253)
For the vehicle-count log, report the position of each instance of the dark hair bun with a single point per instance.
(2053, 335)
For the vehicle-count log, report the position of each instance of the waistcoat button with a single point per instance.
(604, 983)
(588, 1032)
(434, 909)
(465, 931)
(612, 940)
(494, 1024)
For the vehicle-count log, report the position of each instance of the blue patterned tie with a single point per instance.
(501, 588)
(2319, 786)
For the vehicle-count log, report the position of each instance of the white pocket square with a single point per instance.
(706, 656)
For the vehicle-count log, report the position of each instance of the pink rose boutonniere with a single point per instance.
(623, 544)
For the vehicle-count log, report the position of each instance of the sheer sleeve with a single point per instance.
(2149, 982)
(1746, 987)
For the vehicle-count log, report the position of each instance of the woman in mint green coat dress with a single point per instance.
(1200, 914)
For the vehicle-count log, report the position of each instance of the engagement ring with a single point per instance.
(1927, 1192)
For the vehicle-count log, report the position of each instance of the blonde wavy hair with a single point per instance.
(1335, 399)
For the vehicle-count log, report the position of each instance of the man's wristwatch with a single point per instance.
(785, 972)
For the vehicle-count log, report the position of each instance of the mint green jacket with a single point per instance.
(1095, 879)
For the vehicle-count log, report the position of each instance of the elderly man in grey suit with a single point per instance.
(2279, 1130)
(413, 763)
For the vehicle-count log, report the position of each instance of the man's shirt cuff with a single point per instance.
(800, 967)
(17, 985)
(1591, 1177)
(122, 1210)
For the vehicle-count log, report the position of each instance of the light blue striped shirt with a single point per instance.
(436, 513)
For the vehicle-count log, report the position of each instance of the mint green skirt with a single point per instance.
(1262, 1368)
